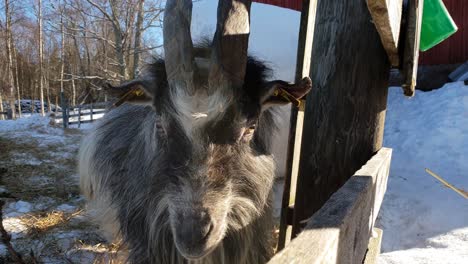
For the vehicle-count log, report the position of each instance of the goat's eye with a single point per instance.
(249, 131)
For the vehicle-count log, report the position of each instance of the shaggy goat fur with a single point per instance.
(142, 179)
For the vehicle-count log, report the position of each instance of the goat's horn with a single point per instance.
(178, 46)
(230, 43)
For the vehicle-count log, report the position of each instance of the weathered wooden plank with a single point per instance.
(375, 243)
(386, 15)
(339, 232)
(345, 111)
(411, 48)
(304, 53)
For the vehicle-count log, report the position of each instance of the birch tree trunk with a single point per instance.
(118, 35)
(120, 52)
(138, 33)
(41, 57)
(46, 81)
(62, 53)
(106, 59)
(128, 37)
(17, 81)
(10, 79)
(2, 117)
(73, 92)
(33, 97)
(78, 55)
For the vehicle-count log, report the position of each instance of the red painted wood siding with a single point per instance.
(291, 4)
(454, 49)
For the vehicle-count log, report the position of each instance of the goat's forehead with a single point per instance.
(202, 106)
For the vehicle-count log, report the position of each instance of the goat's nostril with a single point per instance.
(206, 231)
(194, 230)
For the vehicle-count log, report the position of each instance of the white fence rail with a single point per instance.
(78, 115)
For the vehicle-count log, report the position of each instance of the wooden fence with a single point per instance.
(79, 115)
(6, 114)
(327, 212)
(339, 232)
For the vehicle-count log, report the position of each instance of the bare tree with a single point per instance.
(126, 33)
(138, 31)
(2, 117)
(72, 47)
(41, 57)
(118, 33)
(62, 53)
(10, 79)
(17, 84)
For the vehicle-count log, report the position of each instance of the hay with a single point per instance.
(44, 222)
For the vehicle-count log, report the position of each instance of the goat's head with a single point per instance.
(212, 107)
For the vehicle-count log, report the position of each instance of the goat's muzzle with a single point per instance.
(195, 234)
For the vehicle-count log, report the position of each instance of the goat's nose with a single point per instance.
(194, 228)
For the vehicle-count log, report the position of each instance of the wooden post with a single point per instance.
(64, 110)
(387, 19)
(91, 112)
(79, 116)
(9, 114)
(411, 45)
(345, 111)
(67, 109)
(304, 52)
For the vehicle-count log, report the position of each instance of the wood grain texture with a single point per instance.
(386, 15)
(411, 48)
(304, 53)
(345, 111)
(375, 243)
(339, 232)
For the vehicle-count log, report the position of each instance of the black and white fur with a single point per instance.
(186, 178)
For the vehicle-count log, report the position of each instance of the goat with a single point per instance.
(183, 173)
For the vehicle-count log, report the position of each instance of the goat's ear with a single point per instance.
(281, 92)
(136, 91)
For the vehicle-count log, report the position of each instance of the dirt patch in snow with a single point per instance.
(47, 175)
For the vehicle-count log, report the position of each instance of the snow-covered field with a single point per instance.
(423, 221)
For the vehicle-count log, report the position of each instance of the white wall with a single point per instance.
(273, 37)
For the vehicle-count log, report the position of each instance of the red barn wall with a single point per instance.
(455, 48)
(291, 4)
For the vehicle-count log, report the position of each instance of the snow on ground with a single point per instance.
(38, 181)
(423, 221)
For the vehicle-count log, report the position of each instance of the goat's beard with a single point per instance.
(249, 175)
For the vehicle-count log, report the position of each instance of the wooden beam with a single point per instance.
(387, 19)
(411, 48)
(345, 111)
(339, 232)
(304, 53)
(375, 244)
